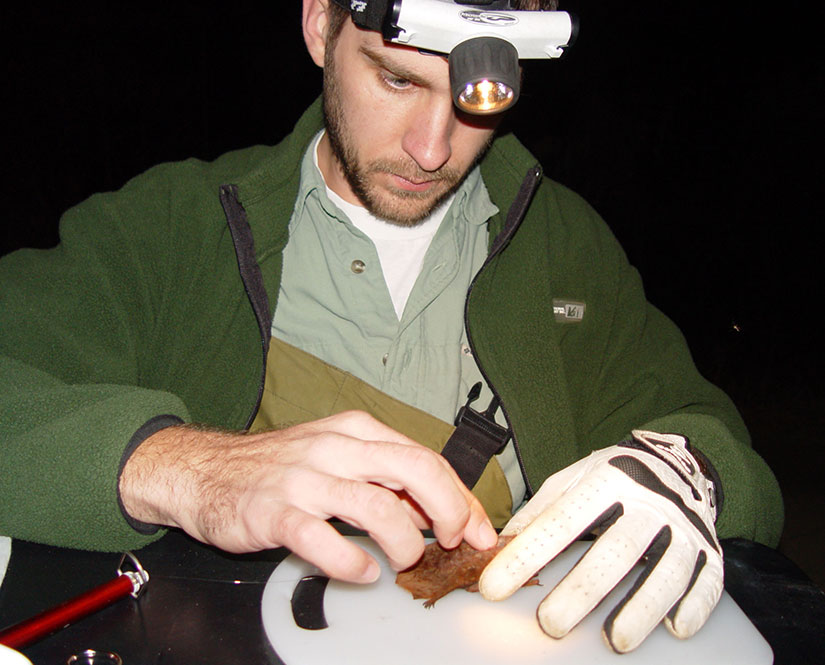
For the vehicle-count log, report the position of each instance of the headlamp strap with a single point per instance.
(369, 14)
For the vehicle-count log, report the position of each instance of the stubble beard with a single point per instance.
(391, 204)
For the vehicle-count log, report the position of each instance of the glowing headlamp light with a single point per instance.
(484, 40)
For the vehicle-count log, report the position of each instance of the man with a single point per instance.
(151, 318)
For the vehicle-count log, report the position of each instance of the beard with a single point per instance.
(391, 204)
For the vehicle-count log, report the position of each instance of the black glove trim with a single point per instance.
(701, 560)
(633, 444)
(655, 551)
(603, 522)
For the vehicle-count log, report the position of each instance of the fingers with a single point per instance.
(700, 599)
(307, 498)
(317, 542)
(401, 465)
(551, 532)
(666, 575)
(372, 508)
(478, 531)
(602, 567)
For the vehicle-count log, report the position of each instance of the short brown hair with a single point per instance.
(535, 5)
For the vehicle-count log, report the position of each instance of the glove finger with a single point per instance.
(601, 568)
(549, 492)
(666, 575)
(704, 591)
(550, 533)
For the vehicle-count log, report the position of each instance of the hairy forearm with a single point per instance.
(171, 473)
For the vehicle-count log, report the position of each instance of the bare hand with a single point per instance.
(248, 492)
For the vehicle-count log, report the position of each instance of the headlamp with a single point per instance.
(484, 40)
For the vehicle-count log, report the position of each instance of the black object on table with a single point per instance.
(203, 605)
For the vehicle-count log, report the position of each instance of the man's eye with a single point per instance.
(395, 82)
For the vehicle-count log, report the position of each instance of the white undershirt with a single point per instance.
(400, 249)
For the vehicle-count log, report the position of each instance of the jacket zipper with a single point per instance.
(515, 215)
(251, 277)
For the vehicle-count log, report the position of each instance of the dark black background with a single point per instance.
(693, 129)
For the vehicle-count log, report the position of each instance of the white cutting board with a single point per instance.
(382, 624)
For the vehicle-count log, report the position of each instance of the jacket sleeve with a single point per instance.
(642, 376)
(74, 389)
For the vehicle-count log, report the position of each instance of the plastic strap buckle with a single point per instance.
(477, 437)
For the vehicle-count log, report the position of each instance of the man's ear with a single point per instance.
(315, 21)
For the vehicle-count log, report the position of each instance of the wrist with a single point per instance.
(153, 479)
(149, 428)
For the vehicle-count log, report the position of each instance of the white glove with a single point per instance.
(648, 498)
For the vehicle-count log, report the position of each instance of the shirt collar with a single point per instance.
(472, 201)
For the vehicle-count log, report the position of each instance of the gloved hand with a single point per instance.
(648, 499)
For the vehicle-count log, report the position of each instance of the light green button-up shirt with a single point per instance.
(334, 303)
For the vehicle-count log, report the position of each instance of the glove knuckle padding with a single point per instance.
(651, 504)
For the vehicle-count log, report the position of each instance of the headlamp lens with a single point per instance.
(484, 75)
(485, 96)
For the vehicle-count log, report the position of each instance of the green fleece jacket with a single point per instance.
(141, 312)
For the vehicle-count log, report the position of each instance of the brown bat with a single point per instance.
(440, 571)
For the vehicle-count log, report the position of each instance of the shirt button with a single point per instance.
(385, 358)
(358, 266)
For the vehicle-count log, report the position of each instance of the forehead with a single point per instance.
(366, 48)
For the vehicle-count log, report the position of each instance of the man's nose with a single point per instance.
(429, 129)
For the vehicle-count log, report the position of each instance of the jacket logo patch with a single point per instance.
(568, 311)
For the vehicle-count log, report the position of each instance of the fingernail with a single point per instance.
(487, 534)
(371, 573)
(455, 541)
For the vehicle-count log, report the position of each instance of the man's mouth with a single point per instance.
(412, 185)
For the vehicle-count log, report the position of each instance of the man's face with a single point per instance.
(395, 143)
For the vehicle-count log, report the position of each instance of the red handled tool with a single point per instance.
(130, 582)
